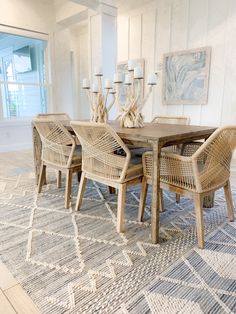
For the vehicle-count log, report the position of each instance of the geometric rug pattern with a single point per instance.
(76, 262)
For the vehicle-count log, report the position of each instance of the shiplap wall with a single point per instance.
(170, 25)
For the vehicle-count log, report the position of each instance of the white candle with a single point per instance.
(95, 88)
(108, 84)
(98, 71)
(86, 83)
(118, 78)
(128, 79)
(131, 65)
(152, 79)
(138, 72)
(112, 91)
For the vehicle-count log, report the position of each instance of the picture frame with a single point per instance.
(186, 77)
(122, 67)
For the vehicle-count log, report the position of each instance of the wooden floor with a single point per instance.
(13, 299)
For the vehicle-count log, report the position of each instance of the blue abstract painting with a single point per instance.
(186, 76)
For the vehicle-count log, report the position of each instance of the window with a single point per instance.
(23, 91)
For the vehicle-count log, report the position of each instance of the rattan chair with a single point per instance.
(207, 170)
(60, 116)
(106, 159)
(58, 151)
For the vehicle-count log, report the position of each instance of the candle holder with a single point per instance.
(130, 111)
(98, 102)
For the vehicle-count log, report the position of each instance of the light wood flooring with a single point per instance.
(13, 299)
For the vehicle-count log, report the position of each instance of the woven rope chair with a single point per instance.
(106, 159)
(182, 120)
(207, 170)
(58, 151)
(60, 116)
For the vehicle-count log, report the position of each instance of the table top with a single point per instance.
(165, 134)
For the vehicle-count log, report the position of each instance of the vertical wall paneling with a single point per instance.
(216, 32)
(122, 37)
(187, 24)
(148, 51)
(197, 32)
(162, 45)
(135, 36)
(179, 34)
(229, 98)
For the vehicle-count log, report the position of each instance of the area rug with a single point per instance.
(76, 262)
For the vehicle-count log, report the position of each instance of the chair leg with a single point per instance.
(81, 190)
(229, 201)
(79, 175)
(161, 200)
(68, 188)
(42, 177)
(198, 200)
(121, 207)
(177, 198)
(59, 179)
(143, 195)
(111, 189)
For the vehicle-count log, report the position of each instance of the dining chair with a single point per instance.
(59, 151)
(207, 170)
(60, 116)
(106, 159)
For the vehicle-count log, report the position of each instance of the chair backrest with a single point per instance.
(104, 154)
(217, 154)
(171, 120)
(58, 145)
(61, 116)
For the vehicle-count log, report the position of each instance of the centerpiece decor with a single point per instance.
(130, 109)
(97, 100)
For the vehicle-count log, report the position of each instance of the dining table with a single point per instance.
(154, 136)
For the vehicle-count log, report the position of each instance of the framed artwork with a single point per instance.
(122, 67)
(186, 76)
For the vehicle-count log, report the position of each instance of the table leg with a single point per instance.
(155, 218)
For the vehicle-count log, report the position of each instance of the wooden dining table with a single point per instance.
(152, 135)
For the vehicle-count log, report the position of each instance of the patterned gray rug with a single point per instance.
(75, 262)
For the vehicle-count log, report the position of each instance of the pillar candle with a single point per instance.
(108, 84)
(86, 83)
(128, 79)
(95, 88)
(98, 71)
(152, 79)
(131, 65)
(138, 72)
(118, 78)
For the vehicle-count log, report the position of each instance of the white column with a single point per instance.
(103, 41)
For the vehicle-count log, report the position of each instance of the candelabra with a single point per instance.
(97, 100)
(130, 110)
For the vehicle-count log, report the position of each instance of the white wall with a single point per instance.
(36, 16)
(171, 25)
